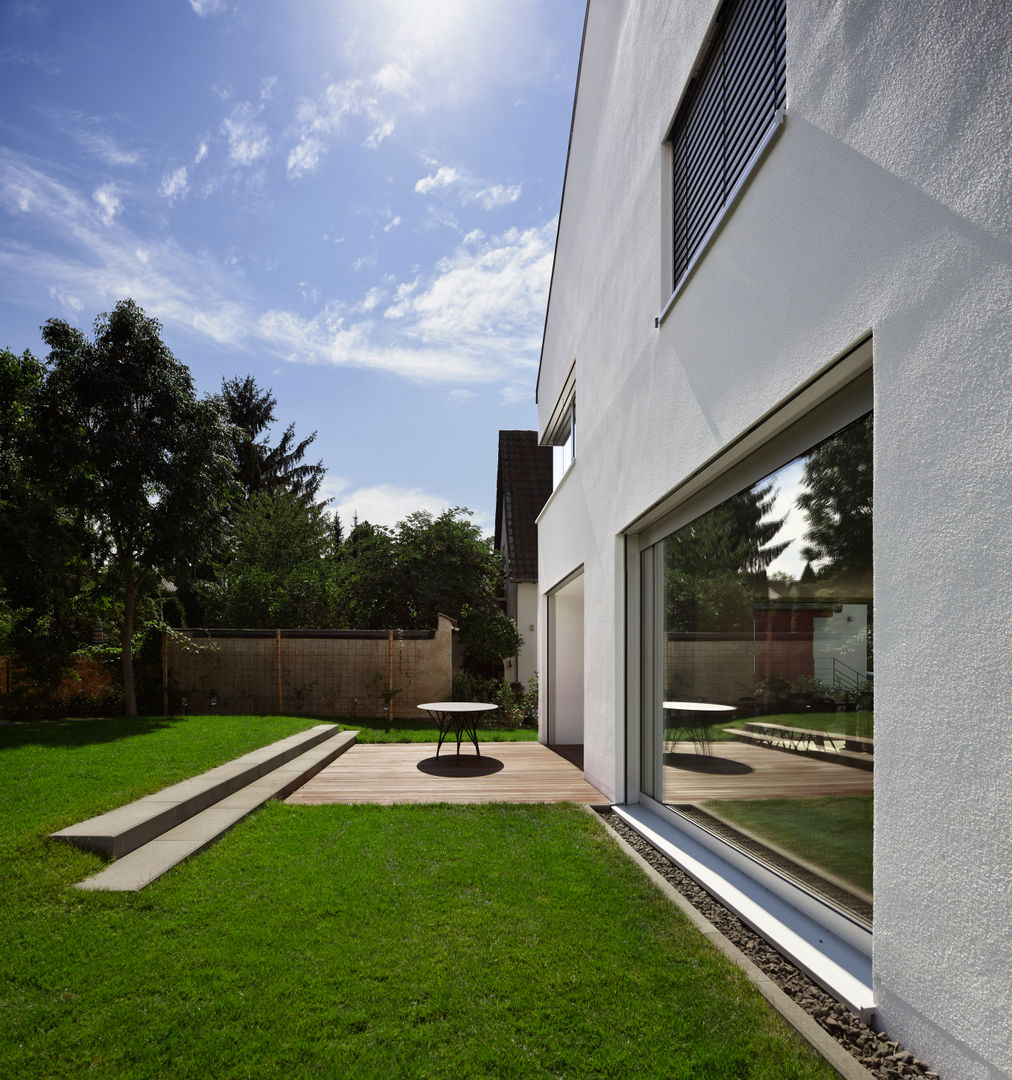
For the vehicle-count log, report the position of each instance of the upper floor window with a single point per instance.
(731, 106)
(564, 448)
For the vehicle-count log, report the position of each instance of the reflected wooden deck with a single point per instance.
(743, 771)
(388, 773)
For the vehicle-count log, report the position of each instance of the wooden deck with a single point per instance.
(744, 771)
(519, 772)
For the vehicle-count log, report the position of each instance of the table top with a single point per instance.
(697, 706)
(457, 706)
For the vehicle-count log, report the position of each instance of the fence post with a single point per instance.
(390, 675)
(277, 656)
(165, 673)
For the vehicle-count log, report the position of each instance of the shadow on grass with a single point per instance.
(79, 732)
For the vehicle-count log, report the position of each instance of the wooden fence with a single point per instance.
(354, 673)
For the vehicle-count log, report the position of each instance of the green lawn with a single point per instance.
(833, 831)
(422, 729)
(842, 723)
(335, 941)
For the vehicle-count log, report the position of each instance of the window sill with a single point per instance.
(760, 152)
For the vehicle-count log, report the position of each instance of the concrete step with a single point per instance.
(144, 864)
(809, 749)
(128, 827)
(856, 743)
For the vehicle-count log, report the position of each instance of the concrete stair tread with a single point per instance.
(119, 831)
(840, 757)
(179, 840)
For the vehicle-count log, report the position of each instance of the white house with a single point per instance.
(783, 272)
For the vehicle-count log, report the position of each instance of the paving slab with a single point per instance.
(188, 837)
(126, 828)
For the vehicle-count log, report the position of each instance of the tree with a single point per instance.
(716, 565)
(426, 566)
(263, 468)
(48, 554)
(147, 463)
(366, 592)
(838, 503)
(275, 572)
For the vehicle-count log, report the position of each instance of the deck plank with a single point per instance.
(389, 773)
(748, 771)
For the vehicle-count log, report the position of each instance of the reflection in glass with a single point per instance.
(767, 608)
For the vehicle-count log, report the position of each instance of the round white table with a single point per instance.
(698, 720)
(458, 716)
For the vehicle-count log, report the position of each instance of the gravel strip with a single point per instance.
(881, 1056)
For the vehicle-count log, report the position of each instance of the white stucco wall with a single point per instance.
(884, 206)
(565, 665)
(527, 623)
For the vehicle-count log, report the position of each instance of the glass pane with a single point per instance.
(767, 669)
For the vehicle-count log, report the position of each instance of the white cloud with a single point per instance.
(475, 236)
(498, 195)
(516, 394)
(67, 300)
(444, 177)
(473, 318)
(386, 504)
(91, 133)
(247, 137)
(461, 397)
(175, 184)
(20, 197)
(208, 7)
(268, 84)
(201, 152)
(108, 201)
(82, 250)
(471, 190)
(392, 223)
(371, 299)
(395, 78)
(488, 296)
(382, 131)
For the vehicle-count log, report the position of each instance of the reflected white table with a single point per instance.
(699, 715)
(458, 716)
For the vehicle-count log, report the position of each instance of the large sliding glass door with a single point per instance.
(757, 670)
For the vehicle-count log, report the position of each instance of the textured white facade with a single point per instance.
(883, 207)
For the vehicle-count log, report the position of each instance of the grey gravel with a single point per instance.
(881, 1056)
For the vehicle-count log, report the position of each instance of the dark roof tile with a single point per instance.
(523, 484)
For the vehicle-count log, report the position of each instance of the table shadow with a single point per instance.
(705, 764)
(467, 765)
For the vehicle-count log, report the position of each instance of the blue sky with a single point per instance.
(353, 202)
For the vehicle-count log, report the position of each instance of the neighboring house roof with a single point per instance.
(523, 484)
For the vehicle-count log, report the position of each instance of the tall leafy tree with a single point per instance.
(716, 565)
(264, 468)
(276, 570)
(429, 564)
(47, 550)
(838, 503)
(145, 461)
(366, 593)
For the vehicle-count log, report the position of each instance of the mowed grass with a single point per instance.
(833, 832)
(335, 941)
(410, 729)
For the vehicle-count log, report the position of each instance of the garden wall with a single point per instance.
(354, 673)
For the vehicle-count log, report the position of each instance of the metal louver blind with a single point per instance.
(726, 114)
